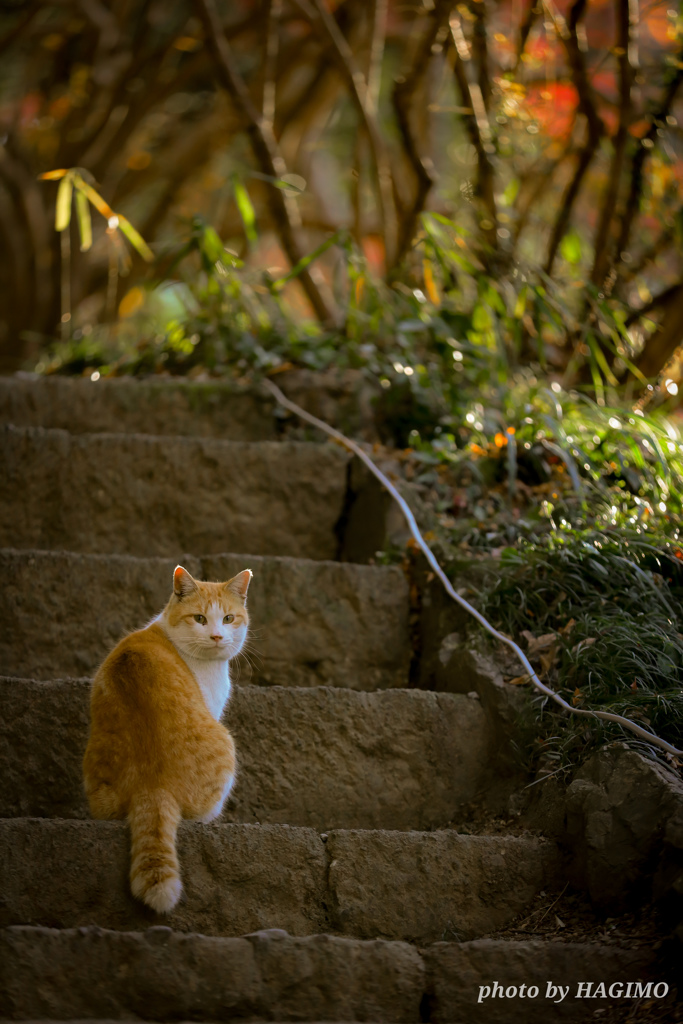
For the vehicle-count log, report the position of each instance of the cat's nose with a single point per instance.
(216, 637)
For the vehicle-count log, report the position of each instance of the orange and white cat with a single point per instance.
(157, 751)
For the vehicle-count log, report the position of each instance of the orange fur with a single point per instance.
(156, 751)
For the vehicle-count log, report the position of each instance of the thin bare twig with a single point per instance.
(643, 149)
(663, 298)
(534, 185)
(480, 51)
(479, 131)
(533, 12)
(669, 335)
(379, 11)
(595, 127)
(403, 97)
(264, 146)
(377, 15)
(24, 21)
(273, 13)
(358, 90)
(653, 251)
(627, 57)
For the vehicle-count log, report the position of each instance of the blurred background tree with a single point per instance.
(543, 138)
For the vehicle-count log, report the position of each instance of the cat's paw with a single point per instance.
(161, 896)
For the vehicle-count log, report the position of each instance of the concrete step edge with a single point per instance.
(208, 408)
(64, 491)
(395, 758)
(418, 886)
(93, 973)
(304, 610)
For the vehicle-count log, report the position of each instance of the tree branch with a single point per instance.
(643, 149)
(403, 97)
(533, 12)
(264, 146)
(627, 56)
(595, 127)
(480, 51)
(668, 336)
(358, 89)
(272, 13)
(479, 131)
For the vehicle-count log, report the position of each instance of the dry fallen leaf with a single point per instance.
(519, 680)
(539, 643)
(548, 658)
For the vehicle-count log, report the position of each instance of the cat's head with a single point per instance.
(208, 620)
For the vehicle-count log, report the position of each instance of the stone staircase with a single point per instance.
(336, 886)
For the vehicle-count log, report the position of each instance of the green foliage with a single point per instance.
(575, 497)
(607, 608)
(74, 182)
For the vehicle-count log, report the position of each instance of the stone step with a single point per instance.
(313, 622)
(142, 495)
(321, 757)
(221, 408)
(96, 974)
(414, 886)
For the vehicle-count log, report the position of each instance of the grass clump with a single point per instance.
(600, 612)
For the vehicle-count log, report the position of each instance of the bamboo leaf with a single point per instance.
(246, 210)
(600, 359)
(95, 198)
(306, 261)
(63, 207)
(511, 190)
(53, 175)
(570, 247)
(520, 304)
(135, 239)
(278, 182)
(84, 220)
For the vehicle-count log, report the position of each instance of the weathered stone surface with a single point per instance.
(43, 733)
(221, 408)
(63, 612)
(425, 887)
(457, 972)
(142, 495)
(165, 975)
(313, 622)
(322, 757)
(621, 808)
(237, 878)
(344, 624)
(418, 886)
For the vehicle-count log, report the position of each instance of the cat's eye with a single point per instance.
(228, 618)
(201, 619)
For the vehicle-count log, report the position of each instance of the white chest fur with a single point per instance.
(214, 681)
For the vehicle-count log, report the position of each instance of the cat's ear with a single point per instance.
(183, 583)
(239, 584)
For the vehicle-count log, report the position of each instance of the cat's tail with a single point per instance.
(154, 868)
